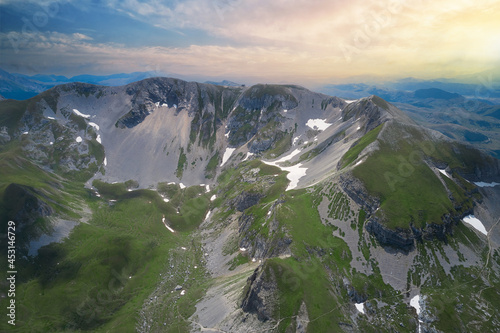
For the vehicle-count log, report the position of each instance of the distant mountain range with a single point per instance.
(20, 86)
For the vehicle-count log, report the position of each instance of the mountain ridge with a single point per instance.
(275, 194)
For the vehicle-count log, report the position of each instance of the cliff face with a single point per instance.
(260, 298)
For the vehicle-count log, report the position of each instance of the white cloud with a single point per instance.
(284, 40)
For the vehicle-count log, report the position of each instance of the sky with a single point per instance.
(292, 41)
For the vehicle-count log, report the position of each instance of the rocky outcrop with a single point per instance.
(4, 135)
(24, 206)
(259, 245)
(246, 200)
(355, 189)
(260, 298)
(400, 238)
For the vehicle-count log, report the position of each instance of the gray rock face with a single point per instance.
(24, 207)
(258, 245)
(246, 200)
(4, 135)
(260, 298)
(400, 238)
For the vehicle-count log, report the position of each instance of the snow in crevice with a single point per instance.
(163, 220)
(227, 134)
(443, 171)
(319, 124)
(249, 154)
(227, 155)
(358, 163)
(475, 223)
(78, 113)
(98, 139)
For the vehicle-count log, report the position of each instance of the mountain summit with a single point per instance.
(278, 208)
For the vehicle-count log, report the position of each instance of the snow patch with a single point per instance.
(157, 104)
(94, 125)
(320, 124)
(482, 184)
(51, 143)
(207, 188)
(294, 173)
(227, 134)
(105, 161)
(213, 197)
(475, 223)
(295, 140)
(414, 302)
(166, 200)
(242, 249)
(78, 113)
(350, 101)
(288, 157)
(285, 111)
(98, 139)
(26, 133)
(360, 307)
(51, 118)
(182, 186)
(208, 215)
(79, 139)
(227, 155)
(183, 293)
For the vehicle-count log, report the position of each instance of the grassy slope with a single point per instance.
(83, 283)
(409, 191)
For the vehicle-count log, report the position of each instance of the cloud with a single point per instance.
(295, 40)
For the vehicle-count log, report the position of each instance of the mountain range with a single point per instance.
(166, 205)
